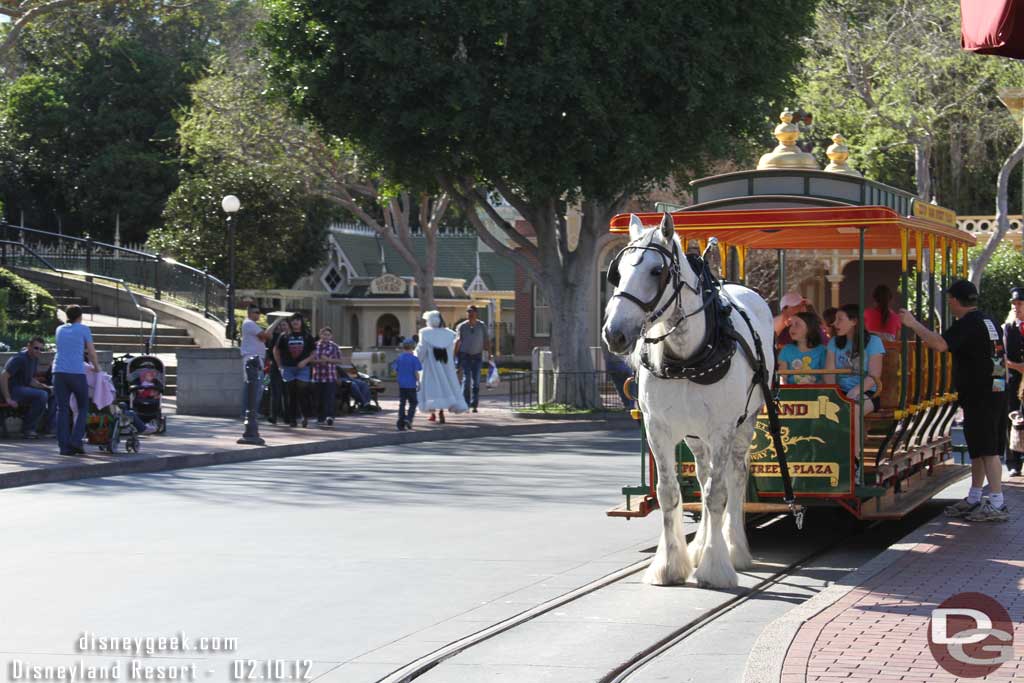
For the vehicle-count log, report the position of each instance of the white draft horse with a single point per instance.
(660, 303)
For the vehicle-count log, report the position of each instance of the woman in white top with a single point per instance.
(439, 386)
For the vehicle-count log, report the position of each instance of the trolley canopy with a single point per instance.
(801, 228)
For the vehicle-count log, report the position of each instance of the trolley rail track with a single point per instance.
(624, 672)
(422, 665)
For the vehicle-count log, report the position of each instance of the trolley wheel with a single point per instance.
(162, 426)
(132, 444)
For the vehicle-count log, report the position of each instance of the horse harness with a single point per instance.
(714, 357)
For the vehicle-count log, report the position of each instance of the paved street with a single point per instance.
(356, 560)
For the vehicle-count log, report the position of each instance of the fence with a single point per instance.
(534, 389)
(159, 276)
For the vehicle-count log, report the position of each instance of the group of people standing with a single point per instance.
(300, 370)
(428, 368)
(988, 362)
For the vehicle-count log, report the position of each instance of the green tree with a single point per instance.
(110, 76)
(890, 75)
(1004, 271)
(546, 104)
(275, 232)
(232, 120)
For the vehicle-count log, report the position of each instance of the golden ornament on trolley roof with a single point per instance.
(787, 155)
(838, 153)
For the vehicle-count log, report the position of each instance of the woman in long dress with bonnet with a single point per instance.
(439, 388)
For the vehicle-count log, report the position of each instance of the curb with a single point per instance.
(767, 657)
(137, 464)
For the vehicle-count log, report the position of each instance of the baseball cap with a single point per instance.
(791, 299)
(1017, 294)
(963, 290)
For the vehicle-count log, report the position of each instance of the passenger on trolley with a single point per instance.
(806, 351)
(880, 319)
(844, 353)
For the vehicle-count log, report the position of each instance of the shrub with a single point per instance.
(27, 301)
(1003, 272)
(27, 310)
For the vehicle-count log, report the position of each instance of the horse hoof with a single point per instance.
(660, 573)
(742, 561)
(719, 578)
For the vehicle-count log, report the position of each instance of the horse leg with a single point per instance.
(735, 470)
(703, 466)
(715, 569)
(671, 564)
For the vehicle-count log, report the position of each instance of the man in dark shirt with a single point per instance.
(1013, 334)
(975, 341)
(19, 386)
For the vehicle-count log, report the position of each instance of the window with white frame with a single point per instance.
(541, 314)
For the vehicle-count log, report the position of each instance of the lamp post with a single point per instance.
(230, 204)
(1013, 100)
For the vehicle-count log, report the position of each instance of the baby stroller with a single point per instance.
(106, 427)
(144, 386)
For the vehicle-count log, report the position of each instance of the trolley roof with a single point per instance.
(836, 227)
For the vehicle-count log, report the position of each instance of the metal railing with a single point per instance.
(29, 253)
(162, 277)
(535, 389)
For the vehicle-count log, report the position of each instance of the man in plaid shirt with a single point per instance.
(326, 358)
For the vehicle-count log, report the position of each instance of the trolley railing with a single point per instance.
(538, 388)
(162, 277)
(27, 253)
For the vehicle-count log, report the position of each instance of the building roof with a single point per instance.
(456, 258)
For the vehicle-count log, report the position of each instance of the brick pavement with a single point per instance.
(877, 632)
(196, 441)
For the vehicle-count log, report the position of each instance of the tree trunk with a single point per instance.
(425, 289)
(568, 277)
(1002, 215)
(923, 169)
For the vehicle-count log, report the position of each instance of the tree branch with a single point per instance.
(26, 17)
(468, 204)
(1002, 214)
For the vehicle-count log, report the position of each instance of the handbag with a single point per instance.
(1016, 431)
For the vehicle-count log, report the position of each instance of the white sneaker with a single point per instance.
(150, 428)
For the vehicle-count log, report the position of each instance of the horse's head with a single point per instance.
(642, 276)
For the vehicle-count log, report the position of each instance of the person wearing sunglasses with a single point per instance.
(19, 386)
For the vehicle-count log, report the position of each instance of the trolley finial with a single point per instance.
(787, 154)
(838, 153)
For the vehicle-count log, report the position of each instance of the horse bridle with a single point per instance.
(672, 269)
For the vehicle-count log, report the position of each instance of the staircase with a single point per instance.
(66, 297)
(130, 337)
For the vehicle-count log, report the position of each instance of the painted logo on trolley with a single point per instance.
(970, 635)
(763, 447)
(807, 410)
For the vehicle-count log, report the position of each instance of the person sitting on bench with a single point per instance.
(19, 386)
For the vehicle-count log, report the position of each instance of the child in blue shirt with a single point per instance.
(407, 366)
(807, 350)
(843, 353)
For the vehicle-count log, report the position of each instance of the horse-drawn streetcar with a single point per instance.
(879, 465)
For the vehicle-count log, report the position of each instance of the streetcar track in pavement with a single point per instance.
(422, 665)
(623, 672)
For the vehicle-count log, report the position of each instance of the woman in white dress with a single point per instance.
(439, 387)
